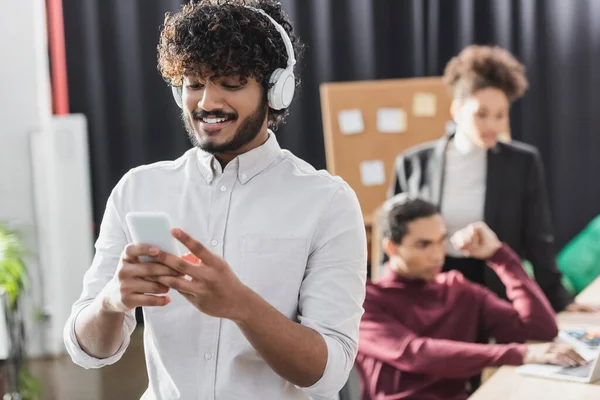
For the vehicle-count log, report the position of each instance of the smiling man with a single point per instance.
(267, 302)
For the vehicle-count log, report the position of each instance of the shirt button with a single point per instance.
(214, 242)
(244, 176)
(208, 356)
(223, 188)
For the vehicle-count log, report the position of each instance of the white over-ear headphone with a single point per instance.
(281, 81)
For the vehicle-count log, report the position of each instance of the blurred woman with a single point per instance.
(473, 175)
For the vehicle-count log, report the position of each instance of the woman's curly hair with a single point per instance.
(213, 38)
(478, 67)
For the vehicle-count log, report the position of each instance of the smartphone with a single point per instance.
(152, 228)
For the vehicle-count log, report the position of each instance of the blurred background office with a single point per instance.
(81, 102)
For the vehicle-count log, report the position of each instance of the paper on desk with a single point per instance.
(391, 120)
(351, 122)
(372, 173)
(424, 105)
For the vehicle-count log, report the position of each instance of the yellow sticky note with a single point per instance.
(424, 105)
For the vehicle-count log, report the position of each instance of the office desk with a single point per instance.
(506, 384)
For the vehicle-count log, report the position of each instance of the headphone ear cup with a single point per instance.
(177, 95)
(283, 85)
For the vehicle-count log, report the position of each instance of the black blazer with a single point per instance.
(516, 206)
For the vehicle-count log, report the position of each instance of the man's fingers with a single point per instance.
(180, 284)
(134, 251)
(570, 360)
(466, 237)
(189, 297)
(562, 360)
(480, 229)
(463, 243)
(145, 270)
(177, 265)
(459, 240)
(480, 225)
(148, 300)
(471, 247)
(576, 357)
(194, 246)
(473, 230)
(456, 241)
(567, 356)
(142, 286)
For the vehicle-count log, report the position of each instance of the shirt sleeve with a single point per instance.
(388, 340)
(527, 315)
(109, 247)
(333, 289)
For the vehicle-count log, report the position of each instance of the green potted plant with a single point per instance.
(13, 282)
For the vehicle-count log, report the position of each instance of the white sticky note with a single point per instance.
(351, 122)
(391, 120)
(424, 105)
(372, 173)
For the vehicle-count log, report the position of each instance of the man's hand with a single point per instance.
(574, 307)
(476, 240)
(133, 285)
(553, 353)
(211, 286)
(295, 352)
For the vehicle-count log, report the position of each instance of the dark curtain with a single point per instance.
(111, 52)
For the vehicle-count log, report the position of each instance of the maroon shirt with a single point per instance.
(417, 338)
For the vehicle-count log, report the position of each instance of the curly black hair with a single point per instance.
(212, 38)
(477, 67)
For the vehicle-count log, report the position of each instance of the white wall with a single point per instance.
(25, 108)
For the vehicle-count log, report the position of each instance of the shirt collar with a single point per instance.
(248, 164)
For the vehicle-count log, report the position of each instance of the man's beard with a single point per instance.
(246, 132)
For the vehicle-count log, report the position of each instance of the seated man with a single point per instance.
(418, 333)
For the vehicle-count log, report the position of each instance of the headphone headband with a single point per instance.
(282, 80)
(286, 39)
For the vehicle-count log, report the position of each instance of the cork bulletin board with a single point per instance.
(366, 124)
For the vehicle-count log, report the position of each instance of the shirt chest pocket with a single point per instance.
(274, 268)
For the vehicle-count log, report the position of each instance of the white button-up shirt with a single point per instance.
(292, 234)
